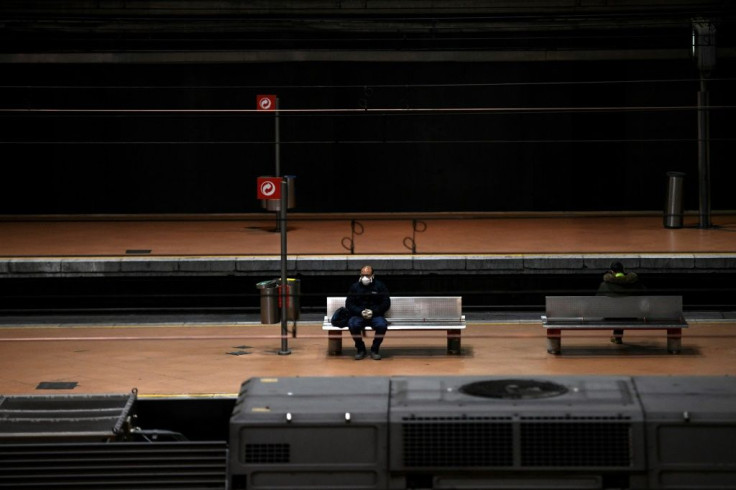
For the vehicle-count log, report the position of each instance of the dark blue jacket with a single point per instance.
(373, 297)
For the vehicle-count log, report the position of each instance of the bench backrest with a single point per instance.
(593, 307)
(414, 307)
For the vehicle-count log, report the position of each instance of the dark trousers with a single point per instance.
(357, 324)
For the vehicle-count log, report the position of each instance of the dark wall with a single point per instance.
(532, 160)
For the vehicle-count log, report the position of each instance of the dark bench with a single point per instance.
(608, 313)
(408, 313)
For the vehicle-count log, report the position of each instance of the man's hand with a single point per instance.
(367, 314)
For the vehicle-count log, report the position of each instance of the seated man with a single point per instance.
(368, 301)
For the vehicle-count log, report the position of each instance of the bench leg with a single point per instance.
(334, 342)
(554, 340)
(453, 342)
(674, 340)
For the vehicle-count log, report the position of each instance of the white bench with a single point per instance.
(408, 313)
(613, 312)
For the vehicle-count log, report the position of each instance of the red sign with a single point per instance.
(269, 188)
(266, 102)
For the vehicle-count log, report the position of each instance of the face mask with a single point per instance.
(366, 280)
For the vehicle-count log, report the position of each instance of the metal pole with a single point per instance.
(277, 153)
(704, 50)
(284, 284)
(277, 139)
(703, 157)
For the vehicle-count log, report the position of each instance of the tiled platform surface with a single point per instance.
(320, 244)
(212, 360)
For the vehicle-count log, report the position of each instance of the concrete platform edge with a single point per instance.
(24, 267)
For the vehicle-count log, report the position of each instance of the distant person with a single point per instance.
(368, 301)
(617, 282)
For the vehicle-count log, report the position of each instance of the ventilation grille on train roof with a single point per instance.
(267, 453)
(478, 442)
(575, 444)
(458, 442)
(123, 465)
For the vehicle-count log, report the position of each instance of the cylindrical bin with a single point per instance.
(293, 304)
(673, 205)
(270, 312)
(275, 204)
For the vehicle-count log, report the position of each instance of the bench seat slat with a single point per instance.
(599, 319)
(407, 324)
(614, 325)
(600, 323)
(420, 321)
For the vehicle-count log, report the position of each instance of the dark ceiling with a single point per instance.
(389, 30)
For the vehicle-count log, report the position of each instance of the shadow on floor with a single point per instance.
(624, 350)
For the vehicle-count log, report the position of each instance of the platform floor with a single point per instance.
(213, 360)
(384, 234)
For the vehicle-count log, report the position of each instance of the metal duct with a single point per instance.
(124, 465)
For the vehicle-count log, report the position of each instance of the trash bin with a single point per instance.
(271, 300)
(673, 204)
(275, 204)
(270, 312)
(293, 290)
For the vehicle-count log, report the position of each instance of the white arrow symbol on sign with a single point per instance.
(265, 103)
(267, 188)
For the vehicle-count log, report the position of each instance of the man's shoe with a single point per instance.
(375, 356)
(616, 340)
(360, 355)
